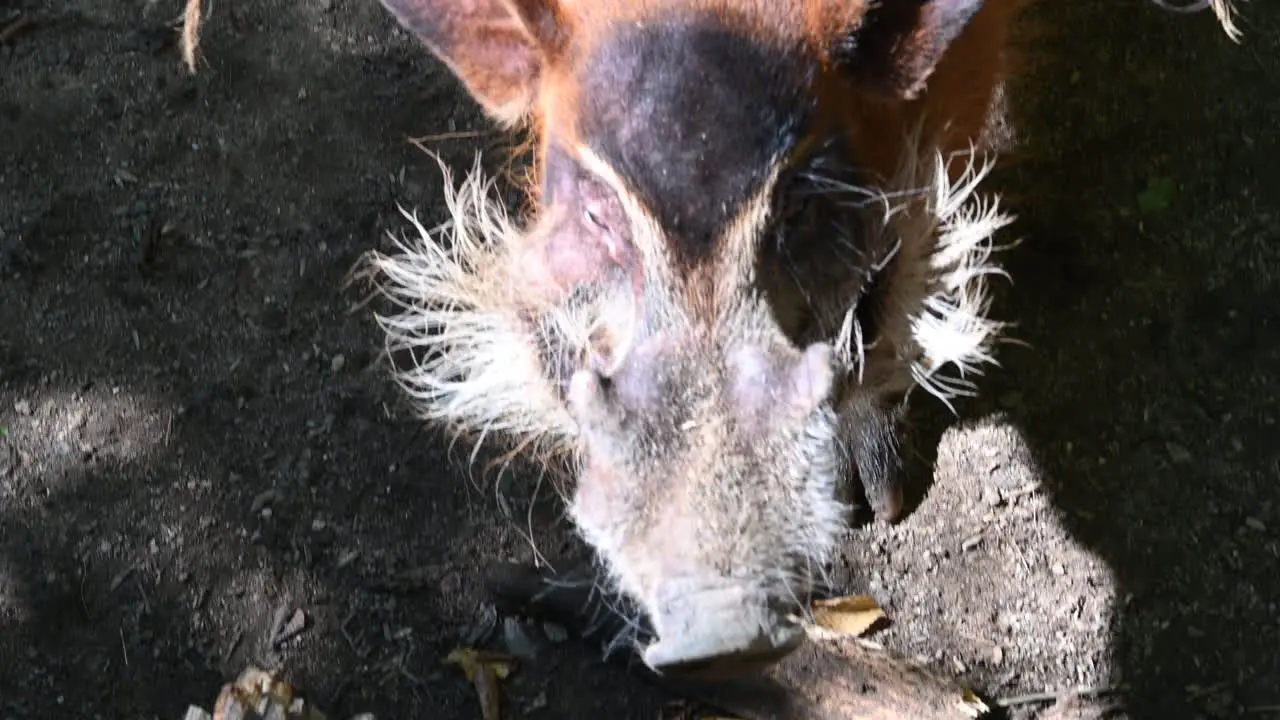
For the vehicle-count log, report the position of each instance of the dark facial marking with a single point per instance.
(692, 115)
(589, 230)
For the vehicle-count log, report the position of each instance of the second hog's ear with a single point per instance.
(896, 44)
(497, 48)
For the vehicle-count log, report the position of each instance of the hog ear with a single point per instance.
(495, 47)
(898, 43)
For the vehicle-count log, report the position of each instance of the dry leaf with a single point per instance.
(484, 670)
(850, 615)
(972, 705)
(258, 694)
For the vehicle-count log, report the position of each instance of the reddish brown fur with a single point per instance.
(952, 112)
(954, 107)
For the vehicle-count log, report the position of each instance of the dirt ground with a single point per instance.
(204, 464)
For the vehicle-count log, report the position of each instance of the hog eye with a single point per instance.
(593, 218)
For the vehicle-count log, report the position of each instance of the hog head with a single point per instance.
(710, 171)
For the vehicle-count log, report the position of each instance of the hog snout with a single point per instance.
(721, 633)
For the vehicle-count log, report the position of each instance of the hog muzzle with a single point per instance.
(722, 633)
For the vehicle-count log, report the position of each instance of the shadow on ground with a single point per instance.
(1150, 388)
(200, 444)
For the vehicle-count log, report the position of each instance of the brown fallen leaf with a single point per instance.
(258, 694)
(849, 615)
(972, 705)
(484, 670)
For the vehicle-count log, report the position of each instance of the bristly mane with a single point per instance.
(480, 371)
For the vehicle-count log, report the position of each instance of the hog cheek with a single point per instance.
(535, 274)
(596, 499)
(575, 260)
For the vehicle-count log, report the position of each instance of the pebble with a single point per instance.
(517, 640)
(1059, 569)
(1010, 400)
(263, 500)
(337, 363)
(296, 623)
(1255, 524)
(554, 632)
(1178, 453)
(991, 496)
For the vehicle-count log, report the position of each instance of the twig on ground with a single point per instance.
(16, 26)
(459, 135)
(1015, 700)
(191, 32)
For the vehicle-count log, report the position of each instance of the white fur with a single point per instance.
(457, 279)
(1224, 10)
(486, 378)
(952, 327)
(935, 241)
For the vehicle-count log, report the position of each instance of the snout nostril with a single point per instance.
(728, 666)
(722, 658)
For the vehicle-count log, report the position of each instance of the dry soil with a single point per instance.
(204, 464)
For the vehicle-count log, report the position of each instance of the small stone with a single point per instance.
(517, 640)
(1178, 453)
(264, 499)
(1255, 524)
(318, 525)
(554, 632)
(1059, 569)
(482, 626)
(997, 655)
(991, 496)
(1010, 400)
(266, 513)
(538, 702)
(296, 623)
(22, 407)
(337, 363)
